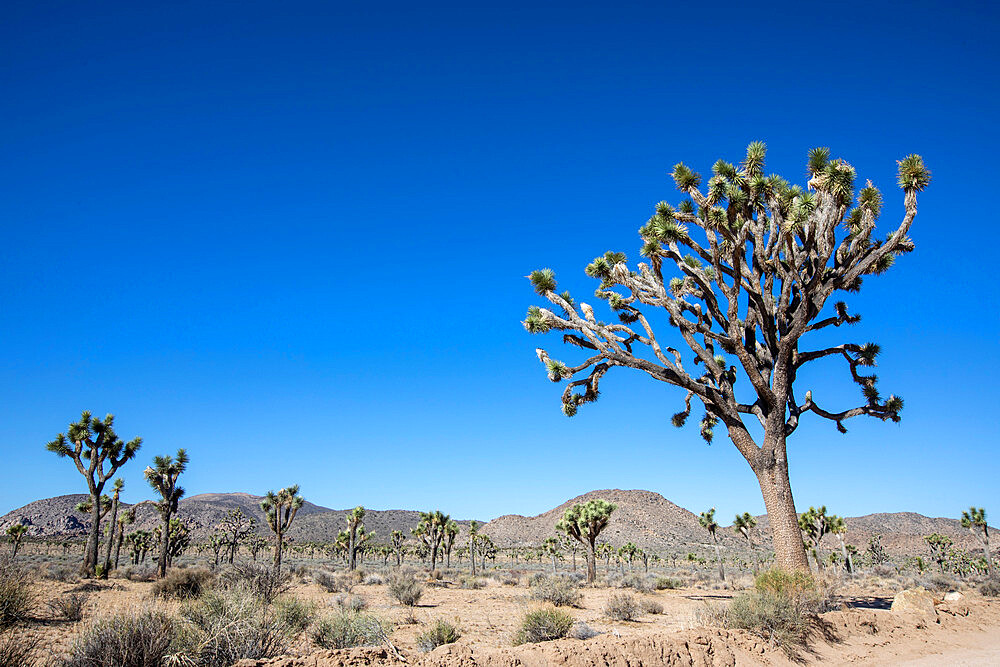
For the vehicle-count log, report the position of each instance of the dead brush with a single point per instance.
(68, 607)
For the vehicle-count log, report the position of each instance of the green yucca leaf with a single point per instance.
(724, 169)
(569, 409)
(556, 369)
(818, 157)
(567, 298)
(710, 273)
(676, 285)
(753, 165)
(614, 257)
(679, 419)
(692, 261)
(716, 190)
(599, 268)
(839, 181)
(870, 199)
(716, 216)
(871, 393)
(686, 206)
(664, 209)
(543, 280)
(685, 178)
(913, 174)
(617, 301)
(904, 246)
(720, 360)
(894, 404)
(651, 248)
(883, 264)
(867, 355)
(534, 321)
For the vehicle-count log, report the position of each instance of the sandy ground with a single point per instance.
(866, 632)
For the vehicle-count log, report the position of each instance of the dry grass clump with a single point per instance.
(333, 582)
(231, 625)
(581, 630)
(440, 633)
(68, 607)
(373, 580)
(17, 598)
(471, 583)
(348, 629)
(183, 584)
(350, 602)
(542, 625)
(18, 651)
(261, 582)
(294, 614)
(559, 591)
(136, 638)
(666, 583)
(990, 588)
(622, 607)
(405, 589)
(650, 606)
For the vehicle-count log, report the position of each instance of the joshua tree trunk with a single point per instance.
(591, 562)
(434, 557)
(771, 468)
(277, 549)
(90, 555)
(111, 535)
(848, 561)
(164, 545)
(17, 545)
(553, 563)
(472, 554)
(118, 543)
(986, 550)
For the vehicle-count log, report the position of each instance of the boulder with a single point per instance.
(952, 596)
(914, 601)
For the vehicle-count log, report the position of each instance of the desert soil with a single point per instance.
(865, 632)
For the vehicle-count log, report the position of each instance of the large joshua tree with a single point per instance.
(584, 522)
(355, 520)
(280, 509)
(975, 521)
(98, 453)
(162, 476)
(754, 262)
(431, 531)
(116, 489)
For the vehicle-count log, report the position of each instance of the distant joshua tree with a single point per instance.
(584, 522)
(707, 521)
(280, 509)
(975, 521)
(742, 525)
(98, 453)
(740, 273)
(550, 547)
(355, 520)
(473, 540)
(450, 533)
(838, 527)
(162, 476)
(396, 541)
(939, 545)
(126, 519)
(16, 534)
(431, 531)
(236, 527)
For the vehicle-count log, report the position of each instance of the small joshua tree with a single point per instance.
(814, 525)
(473, 538)
(280, 509)
(939, 545)
(16, 534)
(431, 530)
(707, 521)
(98, 453)
(755, 260)
(450, 533)
(236, 527)
(584, 522)
(180, 539)
(355, 521)
(116, 490)
(396, 540)
(550, 547)
(837, 526)
(162, 476)
(742, 525)
(127, 518)
(975, 521)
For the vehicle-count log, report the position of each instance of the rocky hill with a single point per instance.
(643, 517)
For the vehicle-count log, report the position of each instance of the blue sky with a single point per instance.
(293, 239)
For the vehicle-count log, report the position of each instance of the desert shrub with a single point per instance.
(666, 583)
(350, 602)
(135, 638)
(17, 598)
(939, 583)
(68, 607)
(636, 583)
(555, 590)
(234, 624)
(261, 582)
(779, 608)
(374, 580)
(581, 630)
(650, 606)
(537, 578)
(471, 583)
(294, 614)
(990, 588)
(67, 575)
(333, 582)
(182, 584)
(435, 575)
(576, 577)
(440, 633)
(348, 629)
(542, 625)
(405, 589)
(622, 607)
(17, 650)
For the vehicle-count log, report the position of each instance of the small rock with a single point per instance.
(914, 601)
(952, 596)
